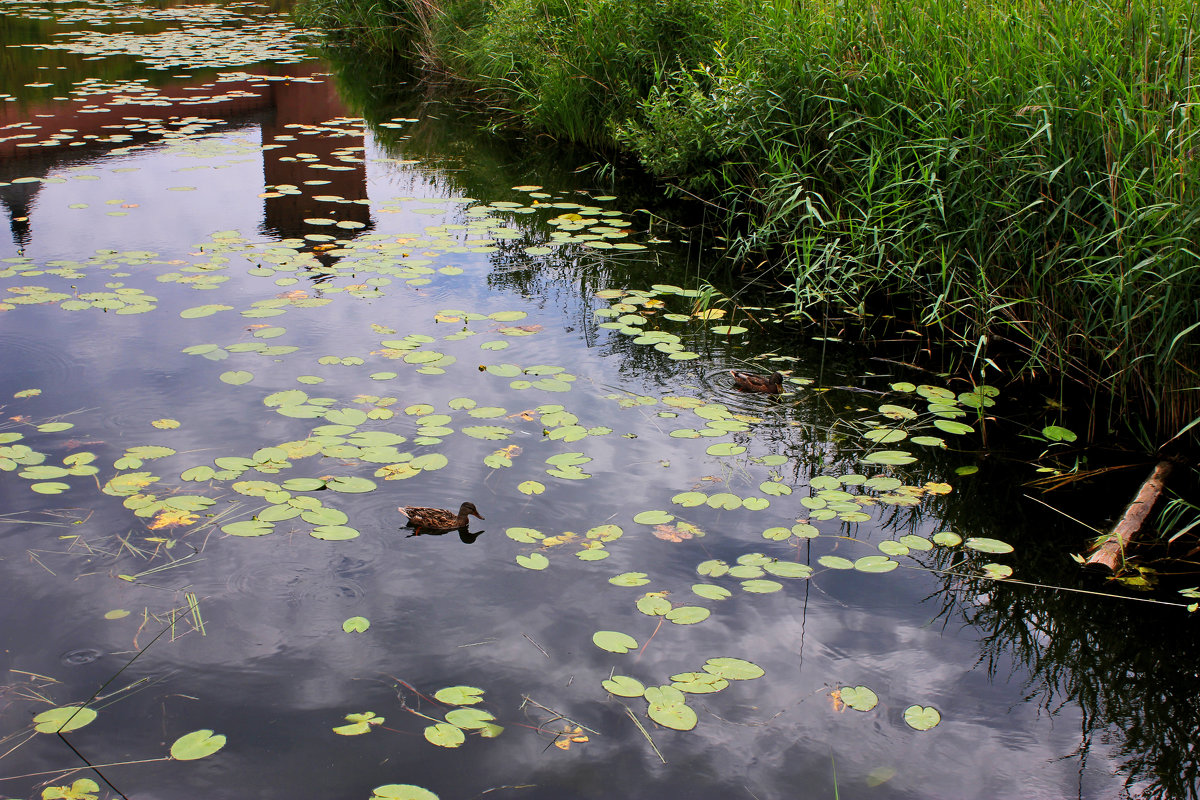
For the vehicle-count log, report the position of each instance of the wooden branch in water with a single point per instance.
(1111, 551)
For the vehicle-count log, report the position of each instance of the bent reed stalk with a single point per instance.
(1016, 171)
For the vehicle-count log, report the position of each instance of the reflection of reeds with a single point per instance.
(1018, 173)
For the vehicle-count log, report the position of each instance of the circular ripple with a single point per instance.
(295, 582)
(77, 658)
(42, 365)
(720, 384)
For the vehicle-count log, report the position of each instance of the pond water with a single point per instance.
(247, 311)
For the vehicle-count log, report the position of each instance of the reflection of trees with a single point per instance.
(1132, 674)
(1122, 667)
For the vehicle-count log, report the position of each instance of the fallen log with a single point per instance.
(1110, 551)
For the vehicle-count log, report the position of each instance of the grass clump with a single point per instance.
(1020, 173)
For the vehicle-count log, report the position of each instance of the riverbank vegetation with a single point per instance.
(1020, 176)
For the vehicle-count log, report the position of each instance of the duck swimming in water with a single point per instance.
(755, 382)
(439, 519)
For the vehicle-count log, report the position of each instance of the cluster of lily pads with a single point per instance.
(666, 704)
(227, 39)
(449, 733)
(357, 433)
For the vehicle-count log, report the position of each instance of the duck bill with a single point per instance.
(475, 514)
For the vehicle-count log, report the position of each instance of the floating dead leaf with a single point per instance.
(938, 488)
(569, 736)
(445, 318)
(672, 533)
(710, 313)
(171, 519)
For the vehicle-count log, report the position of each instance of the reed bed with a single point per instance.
(1021, 175)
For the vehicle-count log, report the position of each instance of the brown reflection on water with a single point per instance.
(303, 125)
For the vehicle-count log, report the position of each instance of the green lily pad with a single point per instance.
(860, 698)
(890, 457)
(668, 711)
(733, 669)
(334, 533)
(985, 545)
(249, 527)
(237, 377)
(835, 562)
(689, 499)
(533, 561)
(922, 718)
(875, 564)
(614, 641)
(401, 791)
(356, 625)
(687, 615)
(62, 720)
(470, 718)
(654, 517)
(761, 586)
(947, 539)
(997, 571)
(788, 569)
(197, 744)
(713, 568)
(459, 695)
(444, 734)
(623, 686)
(350, 485)
(629, 579)
(711, 591)
(1057, 433)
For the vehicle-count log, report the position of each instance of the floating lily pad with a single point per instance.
(985, 545)
(459, 695)
(443, 734)
(249, 527)
(356, 625)
(630, 579)
(875, 564)
(889, 457)
(654, 517)
(62, 720)
(711, 591)
(350, 485)
(197, 744)
(860, 698)
(733, 669)
(470, 718)
(401, 791)
(614, 641)
(947, 539)
(687, 615)
(623, 686)
(761, 586)
(922, 718)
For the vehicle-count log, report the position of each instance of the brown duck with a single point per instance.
(439, 519)
(755, 382)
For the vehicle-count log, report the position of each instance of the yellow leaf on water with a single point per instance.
(172, 519)
(938, 488)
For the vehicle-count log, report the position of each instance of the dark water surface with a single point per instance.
(199, 222)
